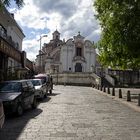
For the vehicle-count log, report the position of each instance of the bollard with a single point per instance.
(104, 89)
(128, 96)
(101, 88)
(120, 93)
(108, 90)
(139, 100)
(113, 91)
(95, 86)
(98, 87)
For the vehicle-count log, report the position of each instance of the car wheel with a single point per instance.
(41, 95)
(19, 110)
(45, 95)
(34, 104)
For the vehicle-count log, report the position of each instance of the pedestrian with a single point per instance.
(51, 80)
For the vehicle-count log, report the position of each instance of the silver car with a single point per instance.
(40, 88)
(2, 116)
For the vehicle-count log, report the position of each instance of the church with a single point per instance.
(73, 55)
(74, 61)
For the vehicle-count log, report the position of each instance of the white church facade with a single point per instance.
(74, 55)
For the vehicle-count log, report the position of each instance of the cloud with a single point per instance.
(39, 17)
(31, 47)
(63, 7)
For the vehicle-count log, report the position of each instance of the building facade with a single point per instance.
(74, 55)
(12, 58)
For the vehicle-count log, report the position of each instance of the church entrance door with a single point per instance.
(78, 67)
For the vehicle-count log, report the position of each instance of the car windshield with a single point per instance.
(43, 79)
(36, 82)
(10, 87)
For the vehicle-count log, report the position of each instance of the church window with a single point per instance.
(78, 51)
(57, 37)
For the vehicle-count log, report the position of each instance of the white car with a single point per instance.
(40, 88)
(2, 116)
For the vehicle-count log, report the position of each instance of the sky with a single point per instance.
(39, 17)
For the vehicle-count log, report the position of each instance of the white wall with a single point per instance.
(63, 57)
(70, 57)
(72, 78)
(90, 58)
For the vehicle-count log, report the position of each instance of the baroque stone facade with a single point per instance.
(74, 55)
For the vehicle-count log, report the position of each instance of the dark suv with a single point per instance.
(46, 79)
(17, 95)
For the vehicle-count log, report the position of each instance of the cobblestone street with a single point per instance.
(75, 113)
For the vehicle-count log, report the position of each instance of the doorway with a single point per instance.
(78, 67)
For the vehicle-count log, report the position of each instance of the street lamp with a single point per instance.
(41, 39)
(40, 63)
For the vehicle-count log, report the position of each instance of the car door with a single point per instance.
(43, 86)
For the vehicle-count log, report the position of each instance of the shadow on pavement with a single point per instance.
(54, 94)
(44, 100)
(14, 126)
(48, 98)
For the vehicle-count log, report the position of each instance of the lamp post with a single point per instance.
(40, 52)
(41, 39)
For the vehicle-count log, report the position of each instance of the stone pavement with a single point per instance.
(75, 113)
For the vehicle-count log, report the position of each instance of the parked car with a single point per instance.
(45, 80)
(40, 88)
(2, 116)
(17, 95)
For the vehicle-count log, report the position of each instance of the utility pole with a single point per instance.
(41, 53)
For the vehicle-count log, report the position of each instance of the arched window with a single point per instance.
(78, 51)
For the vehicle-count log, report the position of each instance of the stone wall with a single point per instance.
(86, 79)
(126, 77)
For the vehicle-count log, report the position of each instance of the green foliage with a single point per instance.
(7, 3)
(119, 46)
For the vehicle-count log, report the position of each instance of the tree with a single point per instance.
(7, 3)
(119, 46)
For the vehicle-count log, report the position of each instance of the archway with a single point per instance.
(78, 67)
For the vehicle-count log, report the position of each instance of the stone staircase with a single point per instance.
(105, 82)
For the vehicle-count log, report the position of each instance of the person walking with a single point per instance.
(51, 80)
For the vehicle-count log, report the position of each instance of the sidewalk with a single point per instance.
(134, 98)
